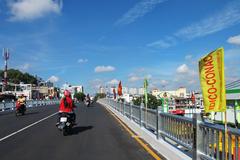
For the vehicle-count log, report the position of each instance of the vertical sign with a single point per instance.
(211, 73)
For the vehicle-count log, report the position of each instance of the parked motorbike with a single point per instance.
(65, 123)
(20, 109)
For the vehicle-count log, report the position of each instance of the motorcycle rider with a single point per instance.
(67, 106)
(21, 101)
(88, 99)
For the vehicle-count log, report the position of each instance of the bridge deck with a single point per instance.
(97, 136)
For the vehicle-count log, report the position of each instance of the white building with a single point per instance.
(101, 90)
(155, 92)
(133, 91)
(124, 90)
(112, 88)
(141, 91)
(127, 97)
(72, 89)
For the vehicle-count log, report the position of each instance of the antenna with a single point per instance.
(6, 56)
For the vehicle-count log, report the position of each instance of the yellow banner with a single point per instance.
(211, 73)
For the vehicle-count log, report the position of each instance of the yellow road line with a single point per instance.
(136, 137)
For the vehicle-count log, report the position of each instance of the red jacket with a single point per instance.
(66, 105)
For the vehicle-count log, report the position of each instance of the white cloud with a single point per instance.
(96, 84)
(193, 81)
(188, 57)
(166, 43)
(24, 10)
(113, 82)
(53, 79)
(159, 44)
(82, 60)
(139, 10)
(149, 76)
(134, 78)
(183, 69)
(99, 69)
(227, 17)
(24, 67)
(164, 82)
(234, 40)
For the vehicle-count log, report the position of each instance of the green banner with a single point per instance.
(145, 91)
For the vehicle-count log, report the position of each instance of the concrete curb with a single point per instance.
(165, 149)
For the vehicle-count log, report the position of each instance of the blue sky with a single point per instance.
(93, 43)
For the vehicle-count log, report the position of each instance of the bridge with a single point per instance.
(98, 135)
(111, 130)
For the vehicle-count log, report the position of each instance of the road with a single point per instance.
(97, 136)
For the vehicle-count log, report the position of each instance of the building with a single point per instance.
(141, 91)
(180, 92)
(155, 92)
(233, 93)
(127, 98)
(124, 90)
(101, 90)
(133, 91)
(71, 88)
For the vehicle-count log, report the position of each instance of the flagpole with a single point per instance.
(146, 100)
(226, 136)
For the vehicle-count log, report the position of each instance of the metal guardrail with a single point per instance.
(203, 139)
(30, 103)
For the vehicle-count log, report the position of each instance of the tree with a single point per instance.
(153, 102)
(99, 96)
(79, 96)
(16, 76)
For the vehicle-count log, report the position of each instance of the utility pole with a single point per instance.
(6, 58)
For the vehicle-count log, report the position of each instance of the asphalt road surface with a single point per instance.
(97, 136)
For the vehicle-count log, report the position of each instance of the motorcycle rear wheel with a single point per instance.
(65, 132)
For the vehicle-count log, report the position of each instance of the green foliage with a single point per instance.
(79, 96)
(137, 101)
(99, 96)
(16, 76)
(153, 102)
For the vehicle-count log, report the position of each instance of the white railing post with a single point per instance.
(4, 105)
(140, 114)
(197, 137)
(157, 122)
(131, 111)
(124, 108)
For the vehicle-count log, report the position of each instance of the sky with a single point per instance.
(98, 43)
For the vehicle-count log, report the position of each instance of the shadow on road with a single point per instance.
(79, 129)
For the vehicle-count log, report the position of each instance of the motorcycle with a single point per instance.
(65, 123)
(87, 103)
(20, 109)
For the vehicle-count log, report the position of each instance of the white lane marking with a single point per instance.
(12, 134)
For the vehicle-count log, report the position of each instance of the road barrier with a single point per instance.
(4, 106)
(204, 140)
